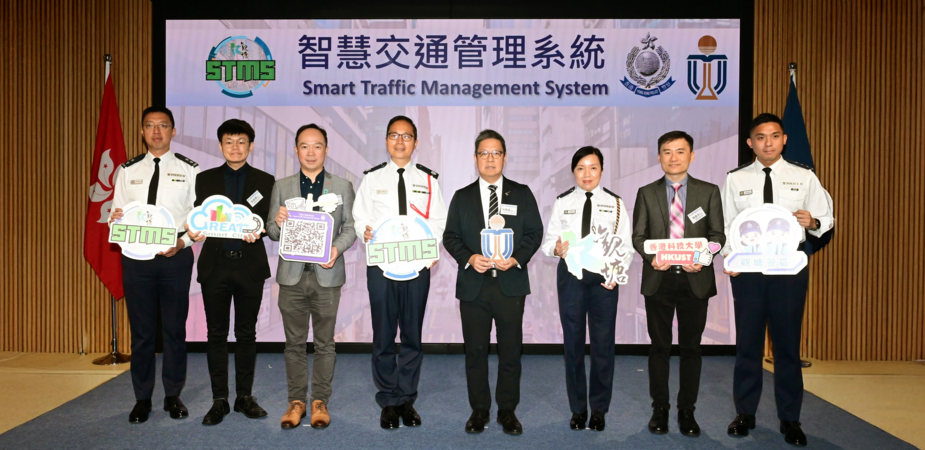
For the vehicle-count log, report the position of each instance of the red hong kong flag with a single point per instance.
(109, 153)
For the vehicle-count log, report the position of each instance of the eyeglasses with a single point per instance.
(163, 126)
(405, 137)
(494, 154)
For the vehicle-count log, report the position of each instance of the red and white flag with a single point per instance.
(108, 154)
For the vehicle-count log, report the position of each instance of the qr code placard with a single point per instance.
(304, 238)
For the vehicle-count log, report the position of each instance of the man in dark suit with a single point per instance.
(234, 269)
(492, 289)
(676, 206)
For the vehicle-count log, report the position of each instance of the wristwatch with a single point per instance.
(818, 225)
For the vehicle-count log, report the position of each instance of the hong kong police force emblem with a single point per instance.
(648, 67)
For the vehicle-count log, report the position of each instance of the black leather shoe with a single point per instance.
(578, 421)
(792, 432)
(176, 407)
(509, 422)
(220, 409)
(409, 416)
(687, 423)
(140, 412)
(248, 405)
(597, 421)
(741, 425)
(477, 421)
(658, 424)
(389, 418)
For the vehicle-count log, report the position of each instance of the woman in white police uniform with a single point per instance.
(590, 299)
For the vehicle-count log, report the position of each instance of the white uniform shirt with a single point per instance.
(795, 188)
(485, 193)
(567, 212)
(176, 188)
(377, 197)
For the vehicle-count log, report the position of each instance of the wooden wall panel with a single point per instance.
(860, 66)
(50, 299)
(860, 78)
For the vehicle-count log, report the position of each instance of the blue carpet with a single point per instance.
(98, 419)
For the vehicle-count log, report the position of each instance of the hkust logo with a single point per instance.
(648, 67)
(705, 88)
(241, 65)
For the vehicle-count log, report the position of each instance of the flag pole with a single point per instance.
(114, 357)
(792, 67)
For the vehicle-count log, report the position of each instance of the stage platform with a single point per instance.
(97, 419)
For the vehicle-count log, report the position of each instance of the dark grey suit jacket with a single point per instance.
(462, 237)
(650, 221)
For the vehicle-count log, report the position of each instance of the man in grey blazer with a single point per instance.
(673, 207)
(311, 291)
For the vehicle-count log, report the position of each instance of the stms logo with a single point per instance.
(241, 65)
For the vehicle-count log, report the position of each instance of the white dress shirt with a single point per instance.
(795, 188)
(176, 188)
(377, 197)
(485, 193)
(567, 212)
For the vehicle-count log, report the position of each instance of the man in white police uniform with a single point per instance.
(163, 178)
(775, 300)
(390, 189)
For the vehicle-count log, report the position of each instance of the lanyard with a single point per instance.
(429, 194)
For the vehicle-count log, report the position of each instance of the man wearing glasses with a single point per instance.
(311, 292)
(391, 189)
(158, 177)
(492, 289)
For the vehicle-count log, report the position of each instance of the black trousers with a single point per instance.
(161, 283)
(580, 302)
(477, 315)
(230, 282)
(675, 294)
(775, 301)
(393, 305)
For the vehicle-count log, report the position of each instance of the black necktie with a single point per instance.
(768, 189)
(152, 188)
(402, 196)
(492, 202)
(586, 216)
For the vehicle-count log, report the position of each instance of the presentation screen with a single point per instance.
(548, 86)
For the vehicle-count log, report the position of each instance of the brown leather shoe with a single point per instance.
(320, 416)
(294, 415)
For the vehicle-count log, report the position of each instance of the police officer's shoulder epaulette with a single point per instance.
(609, 192)
(133, 160)
(373, 169)
(186, 160)
(425, 169)
(569, 191)
(740, 167)
(804, 166)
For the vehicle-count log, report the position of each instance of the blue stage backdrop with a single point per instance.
(548, 86)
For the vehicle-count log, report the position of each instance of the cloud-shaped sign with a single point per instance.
(218, 217)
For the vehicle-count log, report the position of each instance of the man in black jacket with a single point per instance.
(676, 206)
(234, 269)
(492, 289)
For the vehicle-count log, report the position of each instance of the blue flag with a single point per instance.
(797, 150)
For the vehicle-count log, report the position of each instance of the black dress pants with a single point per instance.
(158, 284)
(230, 282)
(477, 315)
(675, 294)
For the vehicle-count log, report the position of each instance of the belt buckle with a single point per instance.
(234, 254)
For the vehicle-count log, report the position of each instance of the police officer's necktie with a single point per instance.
(768, 189)
(492, 202)
(155, 179)
(586, 216)
(402, 196)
